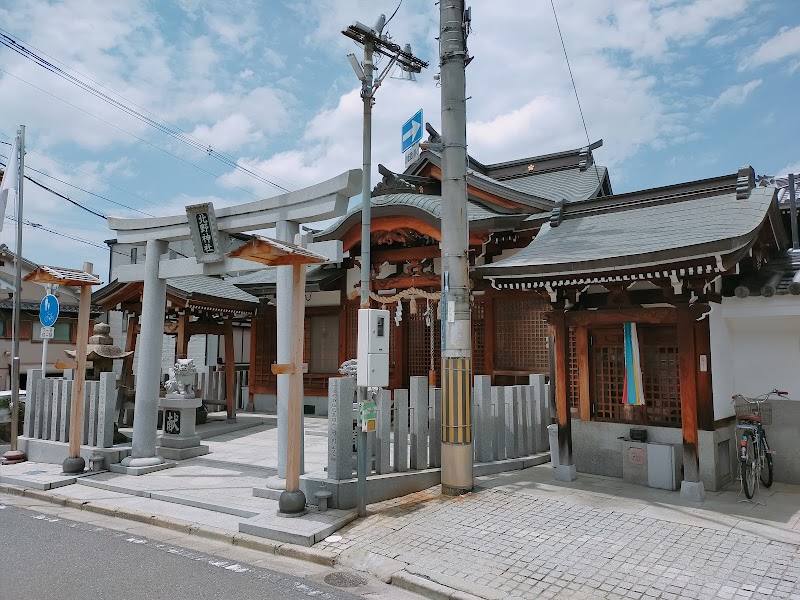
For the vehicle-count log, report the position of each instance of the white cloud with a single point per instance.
(274, 58)
(536, 111)
(724, 39)
(790, 168)
(783, 45)
(208, 75)
(735, 95)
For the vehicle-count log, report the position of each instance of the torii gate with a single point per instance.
(205, 226)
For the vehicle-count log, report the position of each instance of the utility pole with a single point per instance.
(373, 40)
(366, 261)
(14, 455)
(457, 477)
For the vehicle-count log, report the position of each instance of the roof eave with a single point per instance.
(658, 260)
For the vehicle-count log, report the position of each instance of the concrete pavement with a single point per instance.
(518, 535)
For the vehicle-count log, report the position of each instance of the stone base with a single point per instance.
(391, 485)
(693, 491)
(306, 530)
(181, 453)
(292, 504)
(565, 473)
(141, 470)
(13, 457)
(53, 453)
(74, 464)
(273, 488)
(178, 441)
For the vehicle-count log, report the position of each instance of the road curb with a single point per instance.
(426, 587)
(245, 540)
(321, 557)
(44, 496)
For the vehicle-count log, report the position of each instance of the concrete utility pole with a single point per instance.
(14, 455)
(366, 262)
(457, 475)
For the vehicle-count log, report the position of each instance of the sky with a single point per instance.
(678, 90)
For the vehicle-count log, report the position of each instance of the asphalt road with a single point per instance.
(44, 557)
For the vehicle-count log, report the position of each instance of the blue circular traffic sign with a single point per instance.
(48, 310)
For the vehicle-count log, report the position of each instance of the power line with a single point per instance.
(41, 227)
(575, 88)
(85, 191)
(68, 199)
(71, 168)
(9, 41)
(128, 132)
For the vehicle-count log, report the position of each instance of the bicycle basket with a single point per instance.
(743, 407)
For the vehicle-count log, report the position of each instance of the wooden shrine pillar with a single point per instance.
(582, 354)
(182, 349)
(565, 470)
(691, 486)
(230, 370)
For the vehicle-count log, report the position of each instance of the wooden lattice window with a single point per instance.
(419, 349)
(662, 383)
(608, 376)
(394, 368)
(322, 334)
(478, 339)
(521, 335)
(574, 386)
(351, 328)
(660, 377)
(266, 350)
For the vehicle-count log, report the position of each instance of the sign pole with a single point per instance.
(49, 288)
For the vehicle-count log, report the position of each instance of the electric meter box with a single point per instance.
(373, 348)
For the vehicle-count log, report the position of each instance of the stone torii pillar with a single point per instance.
(206, 227)
(143, 456)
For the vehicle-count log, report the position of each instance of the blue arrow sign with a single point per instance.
(48, 310)
(412, 131)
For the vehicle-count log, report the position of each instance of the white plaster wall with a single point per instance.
(764, 344)
(721, 363)
(167, 352)
(197, 350)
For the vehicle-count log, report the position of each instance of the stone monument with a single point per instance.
(178, 439)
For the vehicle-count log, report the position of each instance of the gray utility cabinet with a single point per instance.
(663, 466)
(650, 463)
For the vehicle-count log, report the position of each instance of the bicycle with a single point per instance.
(755, 457)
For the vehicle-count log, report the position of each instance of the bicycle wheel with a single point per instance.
(749, 468)
(766, 463)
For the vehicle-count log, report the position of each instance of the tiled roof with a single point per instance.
(33, 307)
(572, 185)
(428, 203)
(643, 235)
(211, 286)
(268, 276)
(781, 182)
(787, 266)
